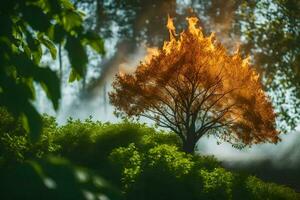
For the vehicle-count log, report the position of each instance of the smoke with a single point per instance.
(285, 154)
(278, 163)
(93, 101)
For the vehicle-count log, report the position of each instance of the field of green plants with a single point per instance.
(88, 159)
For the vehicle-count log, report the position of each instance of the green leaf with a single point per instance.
(32, 42)
(30, 85)
(9, 99)
(45, 76)
(32, 121)
(37, 55)
(67, 4)
(55, 6)
(77, 55)
(95, 41)
(50, 84)
(74, 76)
(25, 123)
(71, 19)
(50, 46)
(57, 33)
(36, 18)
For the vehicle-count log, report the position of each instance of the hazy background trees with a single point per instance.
(271, 34)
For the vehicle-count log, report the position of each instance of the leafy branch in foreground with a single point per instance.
(29, 29)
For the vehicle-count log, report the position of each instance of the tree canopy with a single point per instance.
(194, 87)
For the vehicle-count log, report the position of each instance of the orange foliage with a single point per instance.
(193, 86)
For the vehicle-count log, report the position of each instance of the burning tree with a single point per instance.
(194, 87)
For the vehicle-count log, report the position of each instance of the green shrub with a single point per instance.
(164, 172)
(146, 163)
(161, 172)
(13, 148)
(260, 190)
(15, 144)
(128, 161)
(217, 184)
(154, 138)
(206, 162)
(89, 143)
(75, 140)
(170, 160)
(153, 174)
(10, 125)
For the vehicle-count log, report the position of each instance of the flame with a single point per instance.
(246, 62)
(122, 69)
(255, 76)
(238, 49)
(121, 74)
(151, 52)
(192, 22)
(171, 28)
(169, 45)
(212, 39)
(210, 47)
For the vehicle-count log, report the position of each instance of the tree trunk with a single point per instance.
(189, 145)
